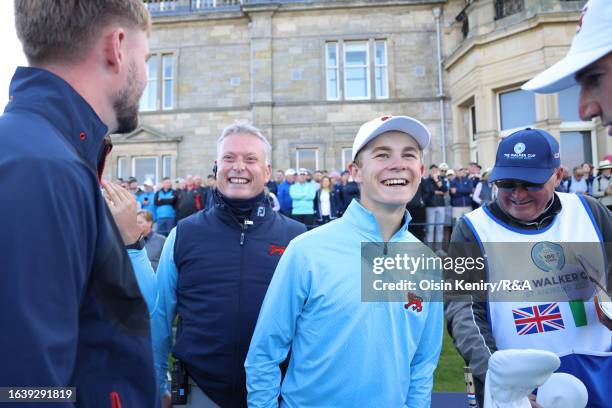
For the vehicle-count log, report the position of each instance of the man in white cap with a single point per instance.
(588, 63)
(602, 185)
(346, 352)
(284, 198)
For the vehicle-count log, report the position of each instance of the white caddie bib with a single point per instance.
(550, 316)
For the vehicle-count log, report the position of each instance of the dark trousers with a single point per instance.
(307, 219)
(165, 225)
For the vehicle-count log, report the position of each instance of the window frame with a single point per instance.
(336, 68)
(160, 93)
(371, 45)
(134, 158)
(297, 157)
(506, 132)
(386, 69)
(342, 158)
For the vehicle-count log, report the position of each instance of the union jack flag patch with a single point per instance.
(538, 319)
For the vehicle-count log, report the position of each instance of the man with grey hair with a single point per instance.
(71, 306)
(214, 272)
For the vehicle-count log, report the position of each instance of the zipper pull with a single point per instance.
(385, 248)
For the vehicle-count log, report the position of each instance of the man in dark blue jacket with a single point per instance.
(461, 189)
(214, 272)
(71, 311)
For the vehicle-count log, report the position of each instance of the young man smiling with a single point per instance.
(346, 352)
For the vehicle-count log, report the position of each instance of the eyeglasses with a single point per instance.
(510, 185)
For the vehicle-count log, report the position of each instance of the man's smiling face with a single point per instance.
(389, 170)
(242, 166)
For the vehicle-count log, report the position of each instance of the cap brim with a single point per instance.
(530, 175)
(404, 124)
(562, 74)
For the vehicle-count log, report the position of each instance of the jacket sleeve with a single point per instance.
(145, 276)
(603, 221)
(597, 191)
(466, 317)
(164, 313)
(273, 336)
(50, 236)
(427, 190)
(425, 359)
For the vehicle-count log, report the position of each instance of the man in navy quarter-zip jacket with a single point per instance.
(71, 309)
(214, 271)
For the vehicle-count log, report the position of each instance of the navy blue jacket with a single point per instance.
(224, 268)
(462, 197)
(71, 311)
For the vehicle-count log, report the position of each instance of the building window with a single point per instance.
(347, 157)
(505, 8)
(122, 167)
(149, 96)
(578, 142)
(568, 104)
(145, 168)
(167, 166)
(380, 70)
(357, 75)
(356, 71)
(333, 85)
(470, 124)
(307, 158)
(160, 70)
(516, 109)
(576, 148)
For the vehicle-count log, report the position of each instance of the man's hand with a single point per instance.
(166, 400)
(122, 205)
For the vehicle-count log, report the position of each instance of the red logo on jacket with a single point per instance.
(276, 249)
(415, 301)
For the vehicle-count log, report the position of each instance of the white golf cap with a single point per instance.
(593, 40)
(370, 130)
(290, 172)
(563, 390)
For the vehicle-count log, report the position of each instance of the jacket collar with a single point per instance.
(365, 222)
(260, 211)
(46, 94)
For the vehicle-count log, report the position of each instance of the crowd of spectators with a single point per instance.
(317, 197)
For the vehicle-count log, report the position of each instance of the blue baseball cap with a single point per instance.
(530, 155)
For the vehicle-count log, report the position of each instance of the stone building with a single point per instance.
(308, 73)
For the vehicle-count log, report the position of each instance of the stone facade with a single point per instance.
(501, 54)
(265, 63)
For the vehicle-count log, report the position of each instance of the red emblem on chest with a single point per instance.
(415, 301)
(276, 249)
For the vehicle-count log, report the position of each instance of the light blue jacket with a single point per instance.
(344, 352)
(303, 196)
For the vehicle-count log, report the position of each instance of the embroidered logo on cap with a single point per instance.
(582, 13)
(519, 148)
(383, 118)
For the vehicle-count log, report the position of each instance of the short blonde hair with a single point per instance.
(65, 30)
